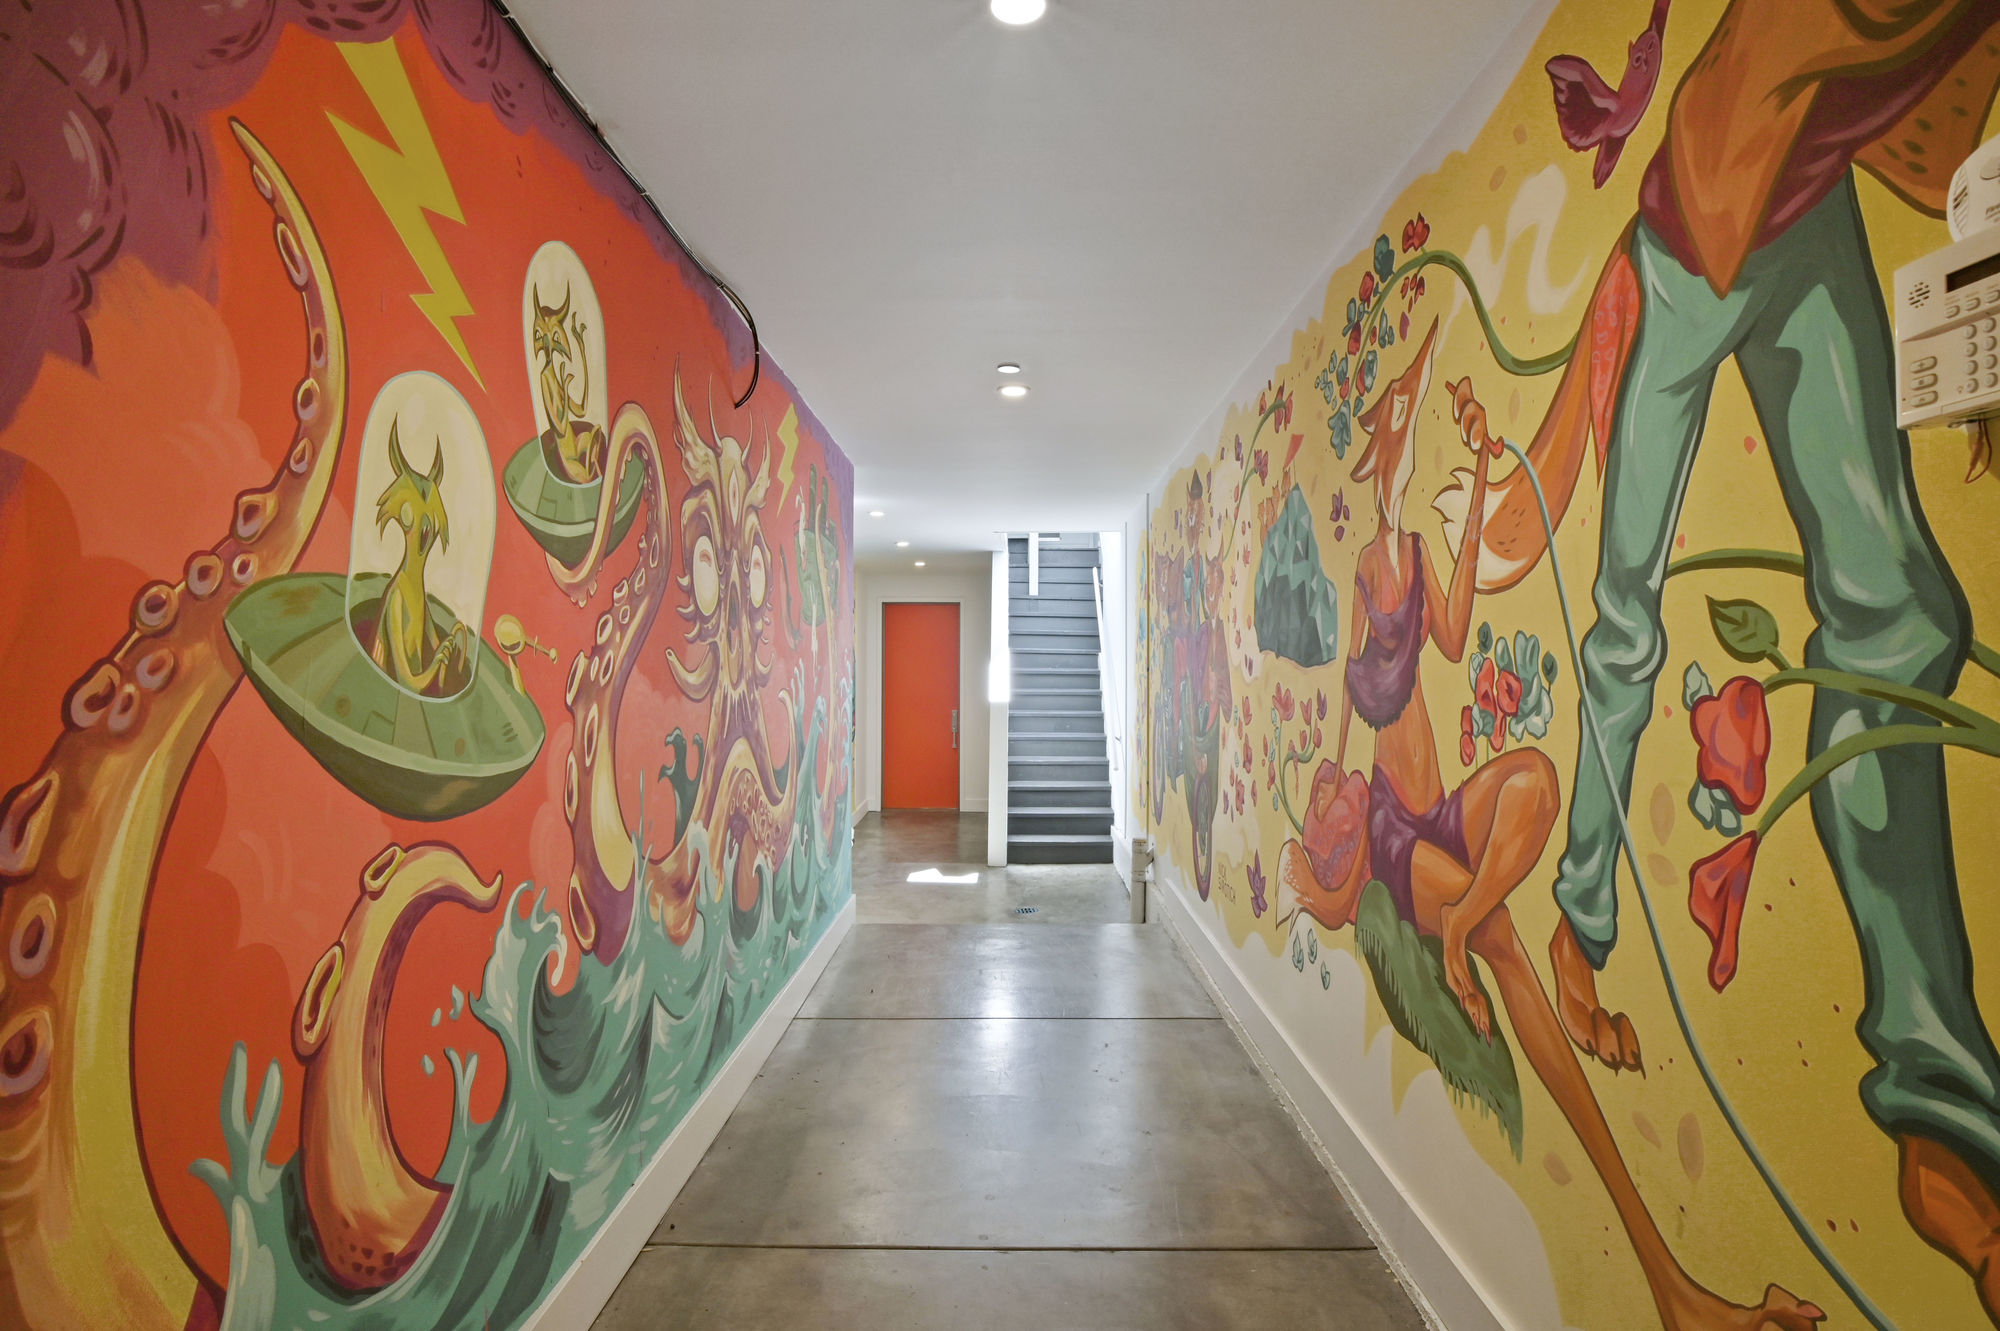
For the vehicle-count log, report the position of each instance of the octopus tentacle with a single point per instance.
(78, 844)
(606, 860)
(370, 1210)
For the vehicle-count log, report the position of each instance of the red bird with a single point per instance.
(1593, 115)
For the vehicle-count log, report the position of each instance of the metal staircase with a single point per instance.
(1058, 770)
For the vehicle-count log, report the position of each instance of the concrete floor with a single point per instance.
(987, 1119)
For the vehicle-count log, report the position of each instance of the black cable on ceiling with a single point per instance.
(577, 108)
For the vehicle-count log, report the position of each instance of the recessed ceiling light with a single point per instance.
(1018, 13)
(874, 512)
(1008, 367)
(1013, 390)
(902, 545)
(920, 563)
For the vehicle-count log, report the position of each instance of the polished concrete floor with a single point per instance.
(983, 1119)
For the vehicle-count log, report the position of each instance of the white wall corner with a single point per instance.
(999, 692)
(580, 1295)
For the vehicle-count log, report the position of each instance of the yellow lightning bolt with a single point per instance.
(409, 180)
(788, 435)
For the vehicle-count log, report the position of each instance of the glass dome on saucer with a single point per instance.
(381, 673)
(555, 481)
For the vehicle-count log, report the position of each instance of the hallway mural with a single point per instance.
(1662, 982)
(341, 360)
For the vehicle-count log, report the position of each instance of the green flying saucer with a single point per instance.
(410, 756)
(562, 515)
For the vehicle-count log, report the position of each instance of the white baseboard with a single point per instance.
(973, 805)
(1443, 1293)
(588, 1285)
(1121, 858)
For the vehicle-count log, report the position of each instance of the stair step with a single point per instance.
(1059, 849)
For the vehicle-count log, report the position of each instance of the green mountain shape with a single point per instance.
(1298, 610)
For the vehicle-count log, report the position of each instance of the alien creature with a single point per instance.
(407, 644)
(573, 446)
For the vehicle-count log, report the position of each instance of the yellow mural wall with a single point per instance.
(1249, 581)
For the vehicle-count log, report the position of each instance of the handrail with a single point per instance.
(1113, 712)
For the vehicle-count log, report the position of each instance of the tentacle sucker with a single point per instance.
(80, 1240)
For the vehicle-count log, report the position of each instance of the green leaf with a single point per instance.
(1486, 637)
(1746, 630)
(1701, 802)
(1695, 685)
(1549, 666)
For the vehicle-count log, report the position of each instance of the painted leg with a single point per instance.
(1887, 606)
(1510, 808)
(1684, 334)
(1955, 1213)
(1683, 1304)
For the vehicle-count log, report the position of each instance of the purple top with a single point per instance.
(1382, 678)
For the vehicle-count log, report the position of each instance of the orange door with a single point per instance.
(920, 706)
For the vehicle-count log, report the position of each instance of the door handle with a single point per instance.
(954, 727)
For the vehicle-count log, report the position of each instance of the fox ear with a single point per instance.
(437, 466)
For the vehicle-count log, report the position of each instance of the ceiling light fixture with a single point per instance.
(1013, 390)
(1018, 13)
(1008, 367)
(920, 563)
(902, 545)
(874, 512)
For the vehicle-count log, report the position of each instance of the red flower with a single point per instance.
(1354, 341)
(1285, 703)
(1486, 691)
(1367, 287)
(1468, 750)
(1507, 694)
(1415, 234)
(1717, 887)
(1733, 732)
(1499, 739)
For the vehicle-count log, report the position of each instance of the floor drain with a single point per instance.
(1024, 910)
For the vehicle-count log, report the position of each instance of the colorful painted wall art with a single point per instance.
(428, 674)
(1661, 983)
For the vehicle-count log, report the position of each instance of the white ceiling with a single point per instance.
(1126, 198)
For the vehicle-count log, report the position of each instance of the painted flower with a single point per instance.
(1287, 705)
(1403, 328)
(1486, 688)
(1263, 464)
(1416, 233)
(1717, 889)
(1732, 730)
(1354, 341)
(1320, 703)
(1507, 694)
(1367, 287)
(1468, 741)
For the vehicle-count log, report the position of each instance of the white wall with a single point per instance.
(971, 588)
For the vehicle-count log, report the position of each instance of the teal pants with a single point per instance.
(1807, 326)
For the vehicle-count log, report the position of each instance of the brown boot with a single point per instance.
(1955, 1213)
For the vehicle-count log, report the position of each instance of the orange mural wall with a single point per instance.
(407, 642)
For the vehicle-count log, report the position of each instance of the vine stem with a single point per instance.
(1799, 1224)
(1783, 561)
(1882, 690)
(1983, 739)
